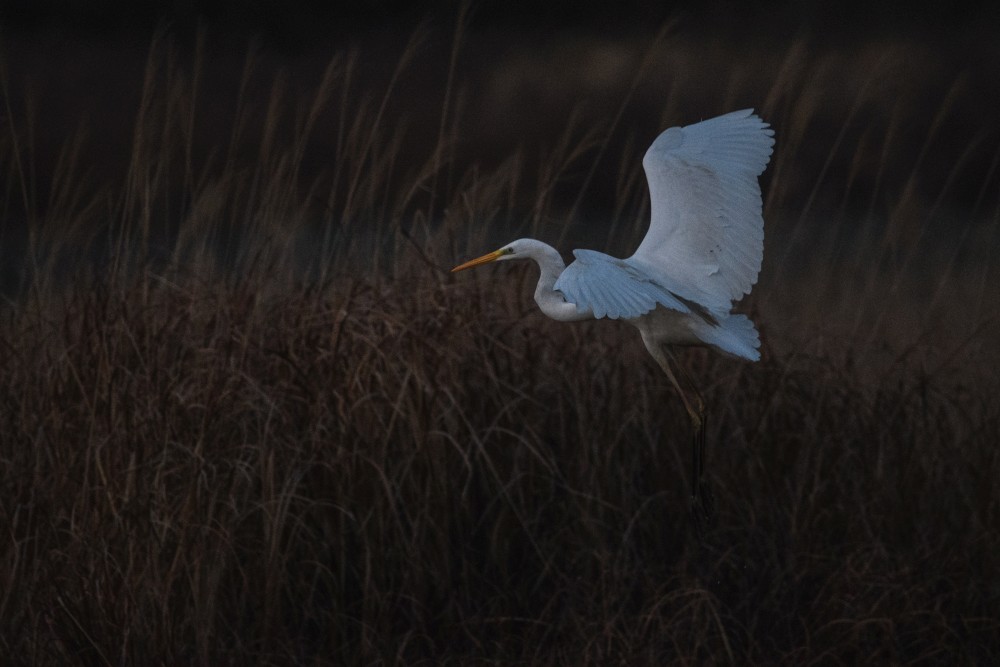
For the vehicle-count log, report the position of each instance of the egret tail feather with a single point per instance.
(735, 335)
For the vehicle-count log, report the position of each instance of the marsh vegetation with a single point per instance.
(246, 415)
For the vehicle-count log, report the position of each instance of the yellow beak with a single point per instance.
(485, 259)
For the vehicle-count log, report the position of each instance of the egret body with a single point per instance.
(702, 252)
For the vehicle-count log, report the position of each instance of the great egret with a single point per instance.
(703, 251)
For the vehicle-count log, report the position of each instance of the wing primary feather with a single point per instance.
(705, 238)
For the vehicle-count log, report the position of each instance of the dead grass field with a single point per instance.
(246, 416)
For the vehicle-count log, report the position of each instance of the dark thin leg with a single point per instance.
(702, 501)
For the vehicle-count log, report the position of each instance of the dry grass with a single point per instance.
(221, 446)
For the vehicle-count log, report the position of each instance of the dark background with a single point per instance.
(295, 25)
(72, 66)
(889, 114)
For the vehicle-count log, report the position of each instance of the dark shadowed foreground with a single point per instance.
(247, 418)
(359, 476)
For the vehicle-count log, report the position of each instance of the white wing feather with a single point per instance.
(613, 288)
(706, 232)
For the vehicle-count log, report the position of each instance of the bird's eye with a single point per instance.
(508, 251)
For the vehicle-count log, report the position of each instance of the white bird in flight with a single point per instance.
(702, 252)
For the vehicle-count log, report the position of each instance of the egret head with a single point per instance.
(520, 249)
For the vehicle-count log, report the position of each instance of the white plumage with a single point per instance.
(706, 233)
(613, 288)
(702, 251)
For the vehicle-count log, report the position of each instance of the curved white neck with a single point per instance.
(551, 302)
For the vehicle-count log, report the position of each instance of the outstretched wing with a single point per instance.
(706, 233)
(614, 288)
